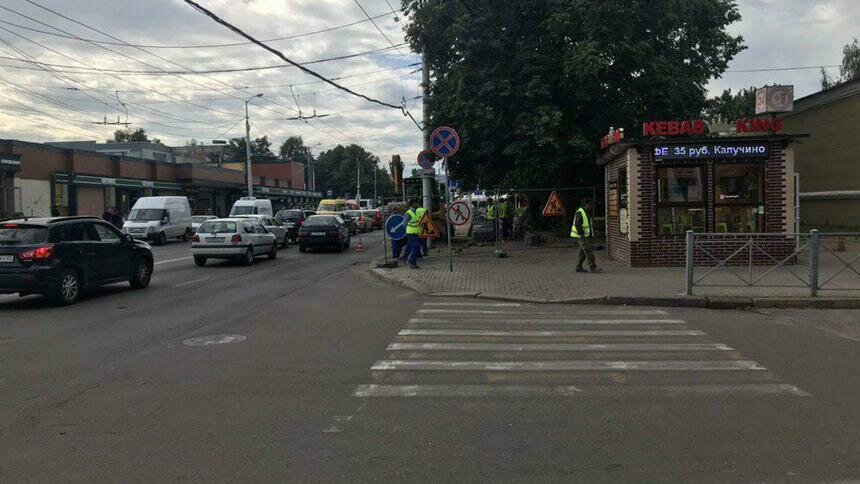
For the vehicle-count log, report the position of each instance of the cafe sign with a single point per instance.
(10, 164)
(712, 151)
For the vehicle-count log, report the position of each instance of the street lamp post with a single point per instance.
(250, 177)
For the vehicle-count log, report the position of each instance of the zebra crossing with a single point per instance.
(504, 349)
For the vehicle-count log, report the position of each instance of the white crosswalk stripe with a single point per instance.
(459, 349)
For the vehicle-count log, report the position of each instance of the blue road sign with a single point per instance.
(454, 184)
(444, 141)
(395, 226)
(426, 159)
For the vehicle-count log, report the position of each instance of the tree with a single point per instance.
(138, 135)
(730, 107)
(850, 68)
(260, 148)
(336, 171)
(293, 148)
(531, 87)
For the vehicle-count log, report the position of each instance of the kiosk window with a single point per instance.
(680, 200)
(738, 198)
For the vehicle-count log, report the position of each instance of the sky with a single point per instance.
(88, 81)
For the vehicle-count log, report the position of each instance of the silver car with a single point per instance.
(363, 224)
(241, 239)
(273, 226)
(197, 221)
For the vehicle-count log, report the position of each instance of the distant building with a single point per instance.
(275, 172)
(200, 153)
(829, 160)
(145, 150)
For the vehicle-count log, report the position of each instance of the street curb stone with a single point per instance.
(453, 294)
(785, 302)
(508, 297)
(721, 302)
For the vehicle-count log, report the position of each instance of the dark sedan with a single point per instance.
(59, 257)
(324, 232)
(292, 220)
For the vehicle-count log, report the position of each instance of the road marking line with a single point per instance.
(477, 391)
(580, 365)
(540, 313)
(170, 261)
(364, 391)
(481, 332)
(478, 304)
(545, 321)
(192, 281)
(558, 347)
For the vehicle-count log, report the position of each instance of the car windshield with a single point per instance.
(218, 227)
(199, 219)
(18, 234)
(288, 216)
(243, 210)
(146, 214)
(321, 221)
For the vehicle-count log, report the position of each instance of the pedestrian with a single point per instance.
(413, 249)
(521, 211)
(491, 215)
(581, 231)
(423, 240)
(396, 248)
(506, 218)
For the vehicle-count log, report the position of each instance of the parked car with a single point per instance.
(159, 218)
(292, 220)
(273, 226)
(361, 222)
(324, 231)
(252, 206)
(375, 217)
(232, 238)
(351, 223)
(59, 257)
(197, 220)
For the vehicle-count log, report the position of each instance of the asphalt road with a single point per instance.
(341, 377)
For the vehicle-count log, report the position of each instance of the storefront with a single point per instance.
(9, 193)
(76, 194)
(675, 180)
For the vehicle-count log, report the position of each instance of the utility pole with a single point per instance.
(249, 176)
(375, 193)
(358, 182)
(428, 175)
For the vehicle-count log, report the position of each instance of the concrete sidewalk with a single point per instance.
(547, 274)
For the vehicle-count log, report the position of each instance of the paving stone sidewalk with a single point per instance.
(548, 275)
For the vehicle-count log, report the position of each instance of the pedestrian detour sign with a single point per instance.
(395, 226)
(554, 207)
(428, 229)
(444, 141)
(459, 213)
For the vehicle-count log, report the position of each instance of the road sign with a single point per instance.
(444, 141)
(460, 212)
(554, 207)
(454, 184)
(426, 159)
(395, 226)
(428, 229)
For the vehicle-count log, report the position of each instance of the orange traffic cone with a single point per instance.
(360, 247)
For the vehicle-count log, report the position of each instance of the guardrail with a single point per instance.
(726, 252)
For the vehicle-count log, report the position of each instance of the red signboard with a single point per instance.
(673, 128)
(767, 125)
(611, 138)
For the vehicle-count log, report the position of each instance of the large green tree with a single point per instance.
(125, 135)
(293, 148)
(336, 171)
(729, 107)
(850, 68)
(533, 85)
(260, 148)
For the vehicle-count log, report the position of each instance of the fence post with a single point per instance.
(813, 263)
(689, 263)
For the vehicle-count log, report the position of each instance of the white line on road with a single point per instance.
(541, 313)
(477, 391)
(478, 304)
(545, 321)
(481, 332)
(582, 365)
(192, 281)
(170, 261)
(558, 347)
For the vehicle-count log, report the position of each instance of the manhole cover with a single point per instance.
(215, 339)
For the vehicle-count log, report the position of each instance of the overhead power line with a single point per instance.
(279, 54)
(772, 69)
(377, 26)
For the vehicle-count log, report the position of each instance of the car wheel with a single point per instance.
(348, 243)
(286, 241)
(200, 261)
(248, 258)
(302, 248)
(186, 235)
(68, 288)
(273, 254)
(142, 275)
(161, 239)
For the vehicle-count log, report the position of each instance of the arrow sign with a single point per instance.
(395, 226)
(444, 141)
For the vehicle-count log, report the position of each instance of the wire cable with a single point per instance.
(377, 26)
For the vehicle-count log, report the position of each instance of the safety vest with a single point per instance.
(412, 223)
(586, 226)
(491, 212)
(420, 214)
(520, 211)
(503, 210)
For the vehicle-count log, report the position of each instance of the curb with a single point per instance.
(706, 302)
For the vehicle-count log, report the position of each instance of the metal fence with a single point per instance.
(816, 261)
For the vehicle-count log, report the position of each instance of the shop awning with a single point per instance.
(91, 180)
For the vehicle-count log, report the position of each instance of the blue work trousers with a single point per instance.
(397, 248)
(414, 248)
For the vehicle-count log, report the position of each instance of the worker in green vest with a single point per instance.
(420, 211)
(521, 210)
(413, 249)
(492, 215)
(506, 218)
(582, 231)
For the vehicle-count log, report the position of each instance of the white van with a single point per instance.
(159, 218)
(252, 206)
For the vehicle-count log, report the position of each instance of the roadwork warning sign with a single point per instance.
(554, 207)
(428, 229)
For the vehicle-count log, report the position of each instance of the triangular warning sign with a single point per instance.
(428, 229)
(554, 207)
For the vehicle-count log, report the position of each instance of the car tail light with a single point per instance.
(196, 238)
(301, 222)
(236, 239)
(40, 253)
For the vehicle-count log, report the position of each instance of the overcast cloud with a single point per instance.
(177, 108)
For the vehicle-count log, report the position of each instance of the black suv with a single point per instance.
(60, 256)
(292, 219)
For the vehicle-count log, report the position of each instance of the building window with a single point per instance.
(110, 197)
(738, 198)
(61, 195)
(680, 200)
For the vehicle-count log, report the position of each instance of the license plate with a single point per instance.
(289, 226)
(217, 240)
(7, 259)
(317, 234)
